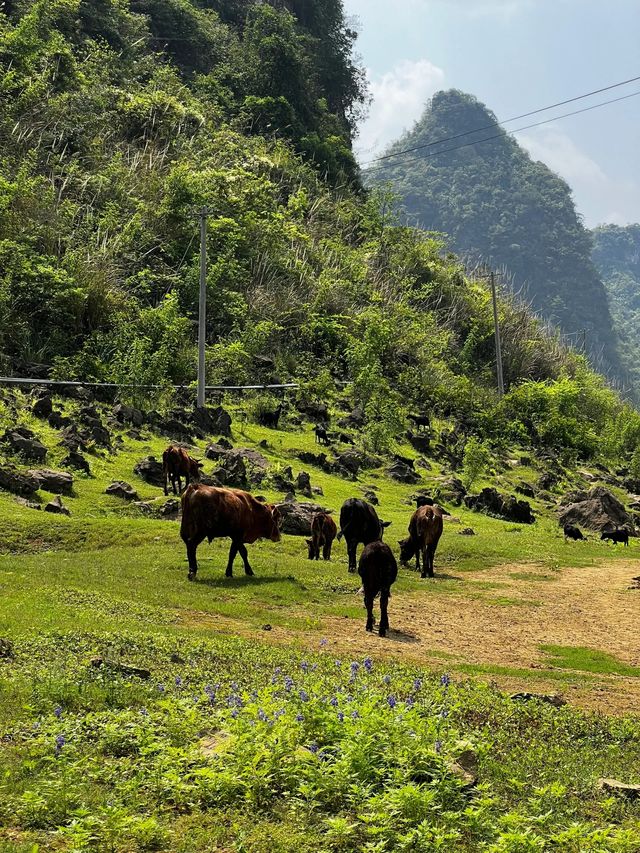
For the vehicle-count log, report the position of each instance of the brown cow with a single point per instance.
(425, 530)
(323, 532)
(177, 463)
(212, 513)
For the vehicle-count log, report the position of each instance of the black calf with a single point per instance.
(378, 570)
(572, 532)
(616, 536)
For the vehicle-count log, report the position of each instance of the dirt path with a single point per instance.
(505, 626)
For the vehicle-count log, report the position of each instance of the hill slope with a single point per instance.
(496, 204)
(616, 255)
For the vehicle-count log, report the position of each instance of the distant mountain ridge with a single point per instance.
(498, 205)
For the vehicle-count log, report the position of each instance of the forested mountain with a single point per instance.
(497, 204)
(120, 118)
(616, 255)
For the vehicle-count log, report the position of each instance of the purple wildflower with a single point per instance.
(417, 684)
(304, 666)
(324, 642)
(60, 742)
(445, 680)
(368, 664)
(333, 701)
(313, 747)
(387, 679)
(178, 681)
(391, 701)
(354, 715)
(235, 713)
(341, 716)
(409, 703)
(355, 666)
(438, 746)
(304, 695)
(262, 716)
(144, 712)
(288, 682)
(299, 718)
(161, 688)
(57, 711)
(338, 662)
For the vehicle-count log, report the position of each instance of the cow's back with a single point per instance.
(426, 525)
(359, 521)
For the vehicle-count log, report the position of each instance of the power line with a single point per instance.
(500, 123)
(517, 130)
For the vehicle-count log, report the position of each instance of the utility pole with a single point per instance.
(496, 326)
(583, 346)
(202, 308)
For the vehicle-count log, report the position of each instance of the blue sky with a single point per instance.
(516, 56)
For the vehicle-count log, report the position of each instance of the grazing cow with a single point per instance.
(271, 419)
(616, 536)
(422, 500)
(323, 532)
(572, 532)
(378, 570)
(214, 513)
(359, 523)
(177, 463)
(422, 422)
(425, 530)
(322, 436)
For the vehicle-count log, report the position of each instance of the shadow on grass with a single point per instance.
(402, 636)
(240, 581)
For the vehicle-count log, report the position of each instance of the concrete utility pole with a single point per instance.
(202, 309)
(496, 326)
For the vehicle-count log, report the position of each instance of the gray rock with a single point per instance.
(24, 442)
(317, 490)
(17, 483)
(525, 489)
(76, 460)
(170, 508)
(371, 497)
(465, 768)
(28, 504)
(601, 509)
(548, 481)
(128, 415)
(57, 420)
(120, 489)
(467, 531)
(43, 407)
(151, 471)
(233, 472)
(297, 517)
(6, 649)
(56, 506)
(56, 482)
(451, 490)
(420, 442)
(491, 502)
(403, 473)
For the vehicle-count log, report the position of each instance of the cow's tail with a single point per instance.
(340, 535)
(165, 471)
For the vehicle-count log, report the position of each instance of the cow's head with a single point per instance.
(195, 468)
(407, 550)
(276, 522)
(311, 548)
(383, 524)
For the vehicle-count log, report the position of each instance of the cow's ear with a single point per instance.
(385, 523)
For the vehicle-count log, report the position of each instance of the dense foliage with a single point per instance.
(120, 119)
(616, 254)
(498, 205)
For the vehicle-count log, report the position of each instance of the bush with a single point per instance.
(475, 461)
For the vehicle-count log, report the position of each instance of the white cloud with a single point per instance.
(399, 97)
(594, 190)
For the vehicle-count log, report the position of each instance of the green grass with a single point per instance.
(132, 776)
(588, 660)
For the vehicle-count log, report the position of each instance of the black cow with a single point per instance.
(322, 436)
(422, 422)
(271, 419)
(572, 532)
(359, 524)
(616, 536)
(423, 500)
(378, 570)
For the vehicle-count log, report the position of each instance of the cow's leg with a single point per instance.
(233, 550)
(430, 555)
(326, 551)
(418, 559)
(368, 603)
(192, 547)
(384, 617)
(352, 547)
(245, 559)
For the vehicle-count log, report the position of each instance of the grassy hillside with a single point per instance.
(271, 720)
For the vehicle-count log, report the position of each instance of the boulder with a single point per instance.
(76, 460)
(128, 415)
(43, 407)
(419, 441)
(465, 768)
(24, 442)
(525, 489)
(224, 442)
(467, 531)
(303, 484)
(6, 649)
(573, 498)
(403, 473)
(600, 510)
(371, 497)
(216, 451)
(491, 502)
(232, 472)
(221, 421)
(548, 481)
(623, 789)
(317, 490)
(297, 517)
(174, 429)
(71, 439)
(57, 420)
(17, 483)
(56, 506)
(151, 471)
(318, 412)
(120, 489)
(450, 491)
(170, 508)
(56, 482)
(318, 459)
(351, 461)
(28, 504)
(283, 480)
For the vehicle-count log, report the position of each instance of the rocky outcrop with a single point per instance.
(120, 489)
(601, 510)
(403, 473)
(150, 470)
(17, 483)
(56, 482)
(24, 442)
(57, 507)
(76, 460)
(506, 507)
(297, 517)
(43, 407)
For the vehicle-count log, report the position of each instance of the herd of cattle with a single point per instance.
(210, 512)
